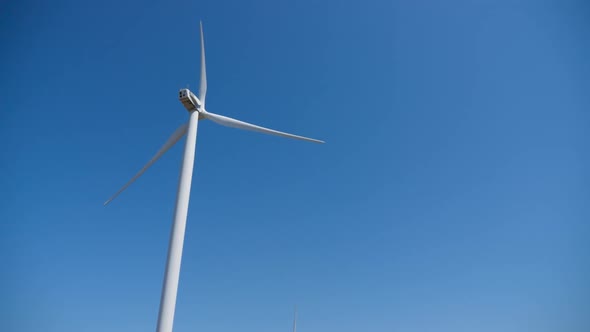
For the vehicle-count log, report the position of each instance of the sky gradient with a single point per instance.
(451, 195)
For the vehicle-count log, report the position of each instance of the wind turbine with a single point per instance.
(196, 109)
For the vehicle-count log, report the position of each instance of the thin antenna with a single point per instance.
(295, 320)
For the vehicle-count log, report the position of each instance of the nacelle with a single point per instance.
(189, 100)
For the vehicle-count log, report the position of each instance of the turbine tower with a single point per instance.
(196, 109)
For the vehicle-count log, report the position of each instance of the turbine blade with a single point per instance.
(177, 135)
(229, 122)
(203, 86)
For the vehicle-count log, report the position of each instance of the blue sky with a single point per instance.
(451, 194)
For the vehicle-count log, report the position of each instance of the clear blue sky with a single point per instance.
(452, 193)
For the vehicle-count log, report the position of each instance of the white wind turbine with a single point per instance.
(196, 108)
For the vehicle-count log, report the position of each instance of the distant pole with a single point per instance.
(172, 274)
(295, 320)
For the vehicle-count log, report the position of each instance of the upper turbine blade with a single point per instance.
(171, 141)
(203, 86)
(229, 122)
